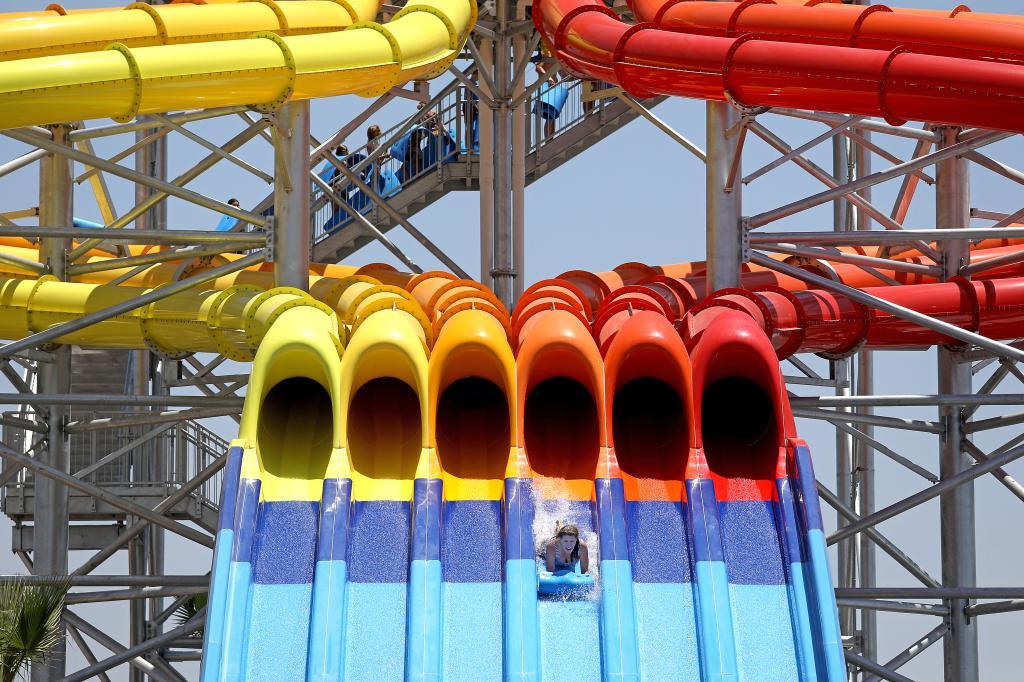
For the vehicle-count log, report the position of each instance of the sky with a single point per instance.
(638, 196)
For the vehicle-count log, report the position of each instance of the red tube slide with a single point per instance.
(683, 284)
(805, 71)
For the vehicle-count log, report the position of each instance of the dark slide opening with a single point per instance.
(739, 429)
(295, 429)
(473, 429)
(384, 431)
(561, 429)
(649, 430)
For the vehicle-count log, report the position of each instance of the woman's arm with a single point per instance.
(584, 558)
(549, 556)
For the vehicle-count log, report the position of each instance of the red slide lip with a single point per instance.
(647, 346)
(897, 84)
(736, 347)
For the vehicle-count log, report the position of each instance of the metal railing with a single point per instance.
(155, 459)
(455, 139)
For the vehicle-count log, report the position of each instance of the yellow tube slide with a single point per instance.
(286, 465)
(393, 581)
(56, 31)
(264, 70)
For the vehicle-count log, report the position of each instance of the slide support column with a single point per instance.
(724, 232)
(50, 555)
(292, 236)
(503, 268)
(956, 508)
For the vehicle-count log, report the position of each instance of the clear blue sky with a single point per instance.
(637, 196)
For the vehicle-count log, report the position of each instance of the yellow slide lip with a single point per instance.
(388, 344)
(264, 70)
(301, 343)
(473, 343)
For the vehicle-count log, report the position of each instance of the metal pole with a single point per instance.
(956, 507)
(503, 271)
(485, 122)
(292, 236)
(724, 247)
(51, 496)
(863, 502)
(518, 122)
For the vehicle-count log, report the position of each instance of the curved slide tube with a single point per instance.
(761, 544)
(561, 397)
(264, 71)
(285, 474)
(57, 31)
(488, 598)
(807, 71)
(393, 585)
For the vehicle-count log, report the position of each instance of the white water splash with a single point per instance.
(549, 509)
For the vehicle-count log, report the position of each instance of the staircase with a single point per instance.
(145, 474)
(336, 235)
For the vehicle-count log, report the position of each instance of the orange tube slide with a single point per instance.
(805, 69)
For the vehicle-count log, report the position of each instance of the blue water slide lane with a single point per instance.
(239, 583)
(423, 616)
(825, 619)
(579, 615)
(663, 590)
(325, 661)
(789, 529)
(280, 602)
(378, 571)
(714, 613)
(522, 624)
(472, 567)
(618, 623)
(213, 644)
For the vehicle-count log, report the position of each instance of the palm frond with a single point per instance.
(29, 622)
(189, 608)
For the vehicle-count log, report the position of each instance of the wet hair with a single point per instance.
(341, 150)
(572, 530)
(233, 202)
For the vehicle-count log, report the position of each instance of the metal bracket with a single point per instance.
(268, 252)
(503, 272)
(745, 239)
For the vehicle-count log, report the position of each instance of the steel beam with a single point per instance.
(956, 505)
(724, 204)
(292, 234)
(876, 178)
(50, 556)
(923, 496)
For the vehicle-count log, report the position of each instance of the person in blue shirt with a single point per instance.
(227, 222)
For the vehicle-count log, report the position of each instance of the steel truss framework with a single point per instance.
(839, 391)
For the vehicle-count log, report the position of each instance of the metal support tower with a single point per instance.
(51, 514)
(956, 508)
